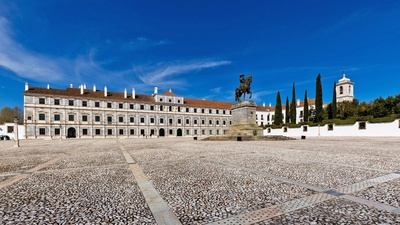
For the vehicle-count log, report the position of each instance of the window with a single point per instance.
(223, 111)
(84, 118)
(217, 122)
(187, 132)
(56, 101)
(121, 119)
(142, 120)
(284, 129)
(179, 109)
(109, 105)
(71, 118)
(210, 132)
(132, 131)
(151, 120)
(202, 110)
(330, 127)
(121, 131)
(131, 106)
(142, 132)
(210, 122)
(195, 132)
(187, 110)
(84, 132)
(71, 102)
(161, 120)
(217, 111)
(97, 118)
(341, 90)
(29, 118)
(203, 122)
(170, 108)
(120, 105)
(179, 101)
(362, 125)
(109, 131)
(132, 119)
(210, 111)
(217, 132)
(42, 116)
(57, 117)
(42, 131)
(161, 99)
(109, 119)
(57, 131)
(84, 103)
(171, 131)
(195, 110)
(169, 100)
(42, 101)
(179, 121)
(170, 121)
(224, 122)
(161, 108)
(10, 129)
(97, 104)
(195, 121)
(262, 117)
(97, 131)
(141, 107)
(305, 128)
(187, 121)
(152, 107)
(203, 132)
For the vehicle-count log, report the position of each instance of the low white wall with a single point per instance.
(4, 130)
(371, 130)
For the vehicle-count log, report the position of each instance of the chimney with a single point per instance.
(48, 86)
(263, 104)
(298, 102)
(94, 87)
(170, 90)
(71, 85)
(133, 93)
(105, 91)
(125, 93)
(155, 90)
(82, 87)
(270, 105)
(26, 86)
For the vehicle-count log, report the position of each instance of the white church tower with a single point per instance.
(344, 89)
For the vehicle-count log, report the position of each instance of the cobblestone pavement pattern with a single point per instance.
(182, 181)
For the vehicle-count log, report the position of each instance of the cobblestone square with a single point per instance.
(181, 181)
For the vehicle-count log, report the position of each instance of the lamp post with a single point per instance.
(16, 132)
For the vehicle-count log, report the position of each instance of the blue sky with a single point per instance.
(199, 48)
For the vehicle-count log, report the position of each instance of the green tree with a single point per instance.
(318, 100)
(305, 110)
(293, 106)
(347, 109)
(379, 108)
(287, 111)
(334, 103)
(278, 110)
(364, 109)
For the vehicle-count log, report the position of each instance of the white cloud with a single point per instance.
(24, 63)
(162, 74)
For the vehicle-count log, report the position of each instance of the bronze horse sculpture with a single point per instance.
(244, 87)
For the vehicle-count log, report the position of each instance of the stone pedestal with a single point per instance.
(244, 120)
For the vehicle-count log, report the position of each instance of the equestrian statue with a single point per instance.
(243, 88)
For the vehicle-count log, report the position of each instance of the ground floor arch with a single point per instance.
(162, 132)
(71, 133)
(179, 132)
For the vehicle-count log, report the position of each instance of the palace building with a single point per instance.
(91, 113)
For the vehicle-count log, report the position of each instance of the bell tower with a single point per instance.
(344, 89)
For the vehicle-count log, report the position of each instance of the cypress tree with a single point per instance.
(318, 100)
(334, 103)
(306, 113)
(293, 106)
(287, 111)
(278, 110)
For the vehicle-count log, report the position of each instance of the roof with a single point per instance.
(208, 103)
(169, 93)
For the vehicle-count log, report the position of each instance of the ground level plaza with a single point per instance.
(181, 181)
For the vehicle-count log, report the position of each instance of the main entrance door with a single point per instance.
(71, 133)
(162, 132)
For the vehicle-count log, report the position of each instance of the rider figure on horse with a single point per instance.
(244, 87)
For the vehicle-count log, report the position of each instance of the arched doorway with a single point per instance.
(179, 132)
(71, 133)
(162, 132)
